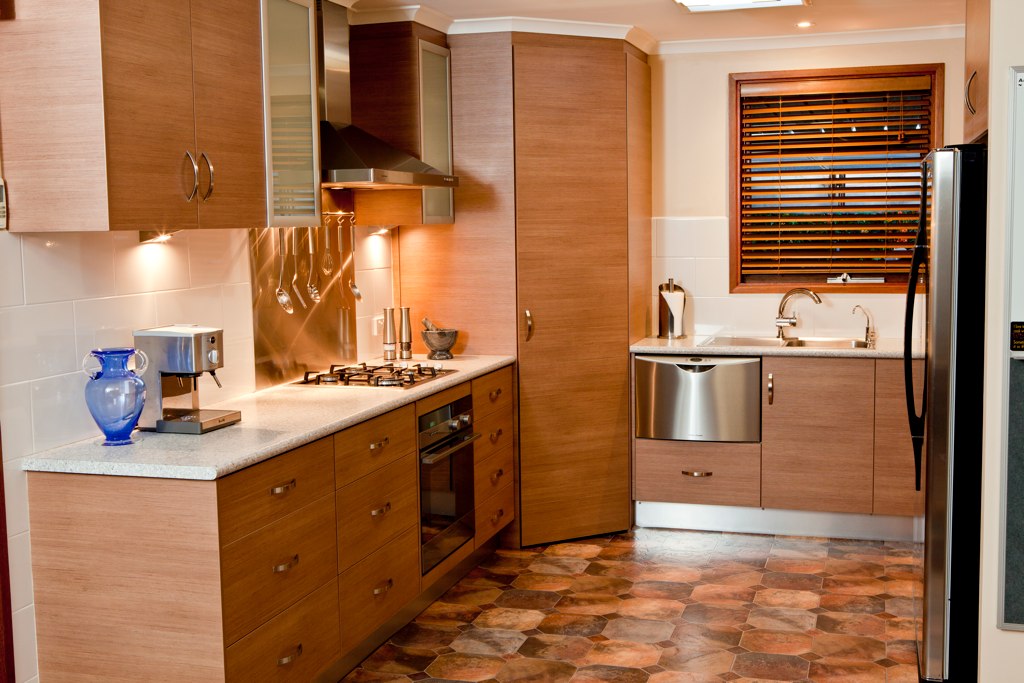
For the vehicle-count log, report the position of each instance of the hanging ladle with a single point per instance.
(295, 268)
(311, 287)
(327, 265)
(282, 296)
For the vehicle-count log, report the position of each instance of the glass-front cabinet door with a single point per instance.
(436, 128)
(293, 156)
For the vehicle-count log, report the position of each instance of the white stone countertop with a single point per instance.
(274, 420)
(884, 348)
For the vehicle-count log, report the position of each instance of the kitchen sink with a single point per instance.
(805, 342)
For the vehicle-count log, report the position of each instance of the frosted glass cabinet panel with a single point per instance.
(436, 128)
(293, 176)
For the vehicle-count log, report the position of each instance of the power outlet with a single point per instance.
(378, 326)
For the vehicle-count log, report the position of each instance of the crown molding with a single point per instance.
(419, 13)
(638, 37)
(898, 35)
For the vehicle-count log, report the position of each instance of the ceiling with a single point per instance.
(666, 21)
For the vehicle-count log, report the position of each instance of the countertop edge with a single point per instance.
(884, 348)
(167, 456)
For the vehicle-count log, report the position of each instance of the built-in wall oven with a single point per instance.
(446, 439)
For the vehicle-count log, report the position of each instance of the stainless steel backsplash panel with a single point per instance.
(323, 332)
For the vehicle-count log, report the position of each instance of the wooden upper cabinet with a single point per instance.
(109, 107)
(817, 433)
(976, 44)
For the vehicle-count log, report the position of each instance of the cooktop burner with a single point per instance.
(403, 375)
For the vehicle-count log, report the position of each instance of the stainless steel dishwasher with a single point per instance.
(698, 398)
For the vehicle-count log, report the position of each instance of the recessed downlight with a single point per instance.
(804, 24)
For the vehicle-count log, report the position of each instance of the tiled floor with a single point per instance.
(666, 606)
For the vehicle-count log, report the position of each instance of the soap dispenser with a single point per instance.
(671, 301)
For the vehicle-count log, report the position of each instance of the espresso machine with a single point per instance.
(178, 357)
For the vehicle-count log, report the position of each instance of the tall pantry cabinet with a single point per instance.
(549, 257)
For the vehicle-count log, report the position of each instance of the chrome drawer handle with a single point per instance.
(209, 167)
(497, 475)
(497, 517)
(771, 389)
(494, 394)
(195, 175)
(496, 435)
(529, 324)
(282, 568)
(381, 511)
(292, 657)
(967, 94)
(283, 488)
(384, 587)
(697, 473)
(377, 445)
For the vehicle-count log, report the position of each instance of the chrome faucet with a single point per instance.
(869, 326)
(781, 320)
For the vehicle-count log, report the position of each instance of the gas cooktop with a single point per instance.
(403, 375)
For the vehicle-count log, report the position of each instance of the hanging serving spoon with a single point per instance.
(327, 265)
(295, 268)
(282, 296)
(352, 250)
(311, 287)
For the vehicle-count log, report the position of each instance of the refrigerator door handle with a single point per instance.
(920, 250)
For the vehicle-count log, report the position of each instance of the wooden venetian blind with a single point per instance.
(829, 176)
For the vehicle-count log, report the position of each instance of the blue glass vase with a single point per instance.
(114, 393)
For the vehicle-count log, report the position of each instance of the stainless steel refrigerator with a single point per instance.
(949, 260)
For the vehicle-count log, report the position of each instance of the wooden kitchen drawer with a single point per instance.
(497, 433)
(492, 474)
(370, 445)
(258, 495)
(664, 472)
(373, 590)
(293, 646)
(494, 513)
(376, 508)
(266, 571)
(492, 392)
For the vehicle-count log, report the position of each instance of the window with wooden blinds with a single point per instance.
(826, 180)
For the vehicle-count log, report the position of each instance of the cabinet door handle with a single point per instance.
(529, 324)
(383, 588)
(697, 473)
(282, 568)
(496, 517)
(283, 488)
(496, 475)
(494, 394)
(496, 435)
(209, 167)
(381, 511)
(967, 94)
(378, 445)
(771, 389)
(195, 176)
(296, 653)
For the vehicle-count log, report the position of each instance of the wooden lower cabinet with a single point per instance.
(894, 486)
(817, 433)
(293, 646)
(707, 473)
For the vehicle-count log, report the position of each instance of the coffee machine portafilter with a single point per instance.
(178, 356)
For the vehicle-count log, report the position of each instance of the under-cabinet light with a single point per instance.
(155, 236)
(723, 5)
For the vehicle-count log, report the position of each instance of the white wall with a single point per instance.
(691, 181)
(374, 279)
(1002, 652)
(64, 294)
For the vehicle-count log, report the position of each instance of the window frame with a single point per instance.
(736, 81)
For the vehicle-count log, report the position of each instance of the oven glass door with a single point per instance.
(446, 498)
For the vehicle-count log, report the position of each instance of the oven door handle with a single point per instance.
(432, 458)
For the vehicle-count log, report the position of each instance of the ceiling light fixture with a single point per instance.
(724, 5)
(804, 24)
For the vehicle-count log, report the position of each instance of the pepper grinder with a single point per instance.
(389, 334)
(404, 335)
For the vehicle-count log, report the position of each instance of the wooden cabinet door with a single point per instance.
(817, 433)
(147, 103)
(895, 492)
(976, 43)
(571, 247)
(227, 63)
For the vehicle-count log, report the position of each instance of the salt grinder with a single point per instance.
(389, 334)
(404, 335)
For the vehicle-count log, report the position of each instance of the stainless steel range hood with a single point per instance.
(349, 156)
